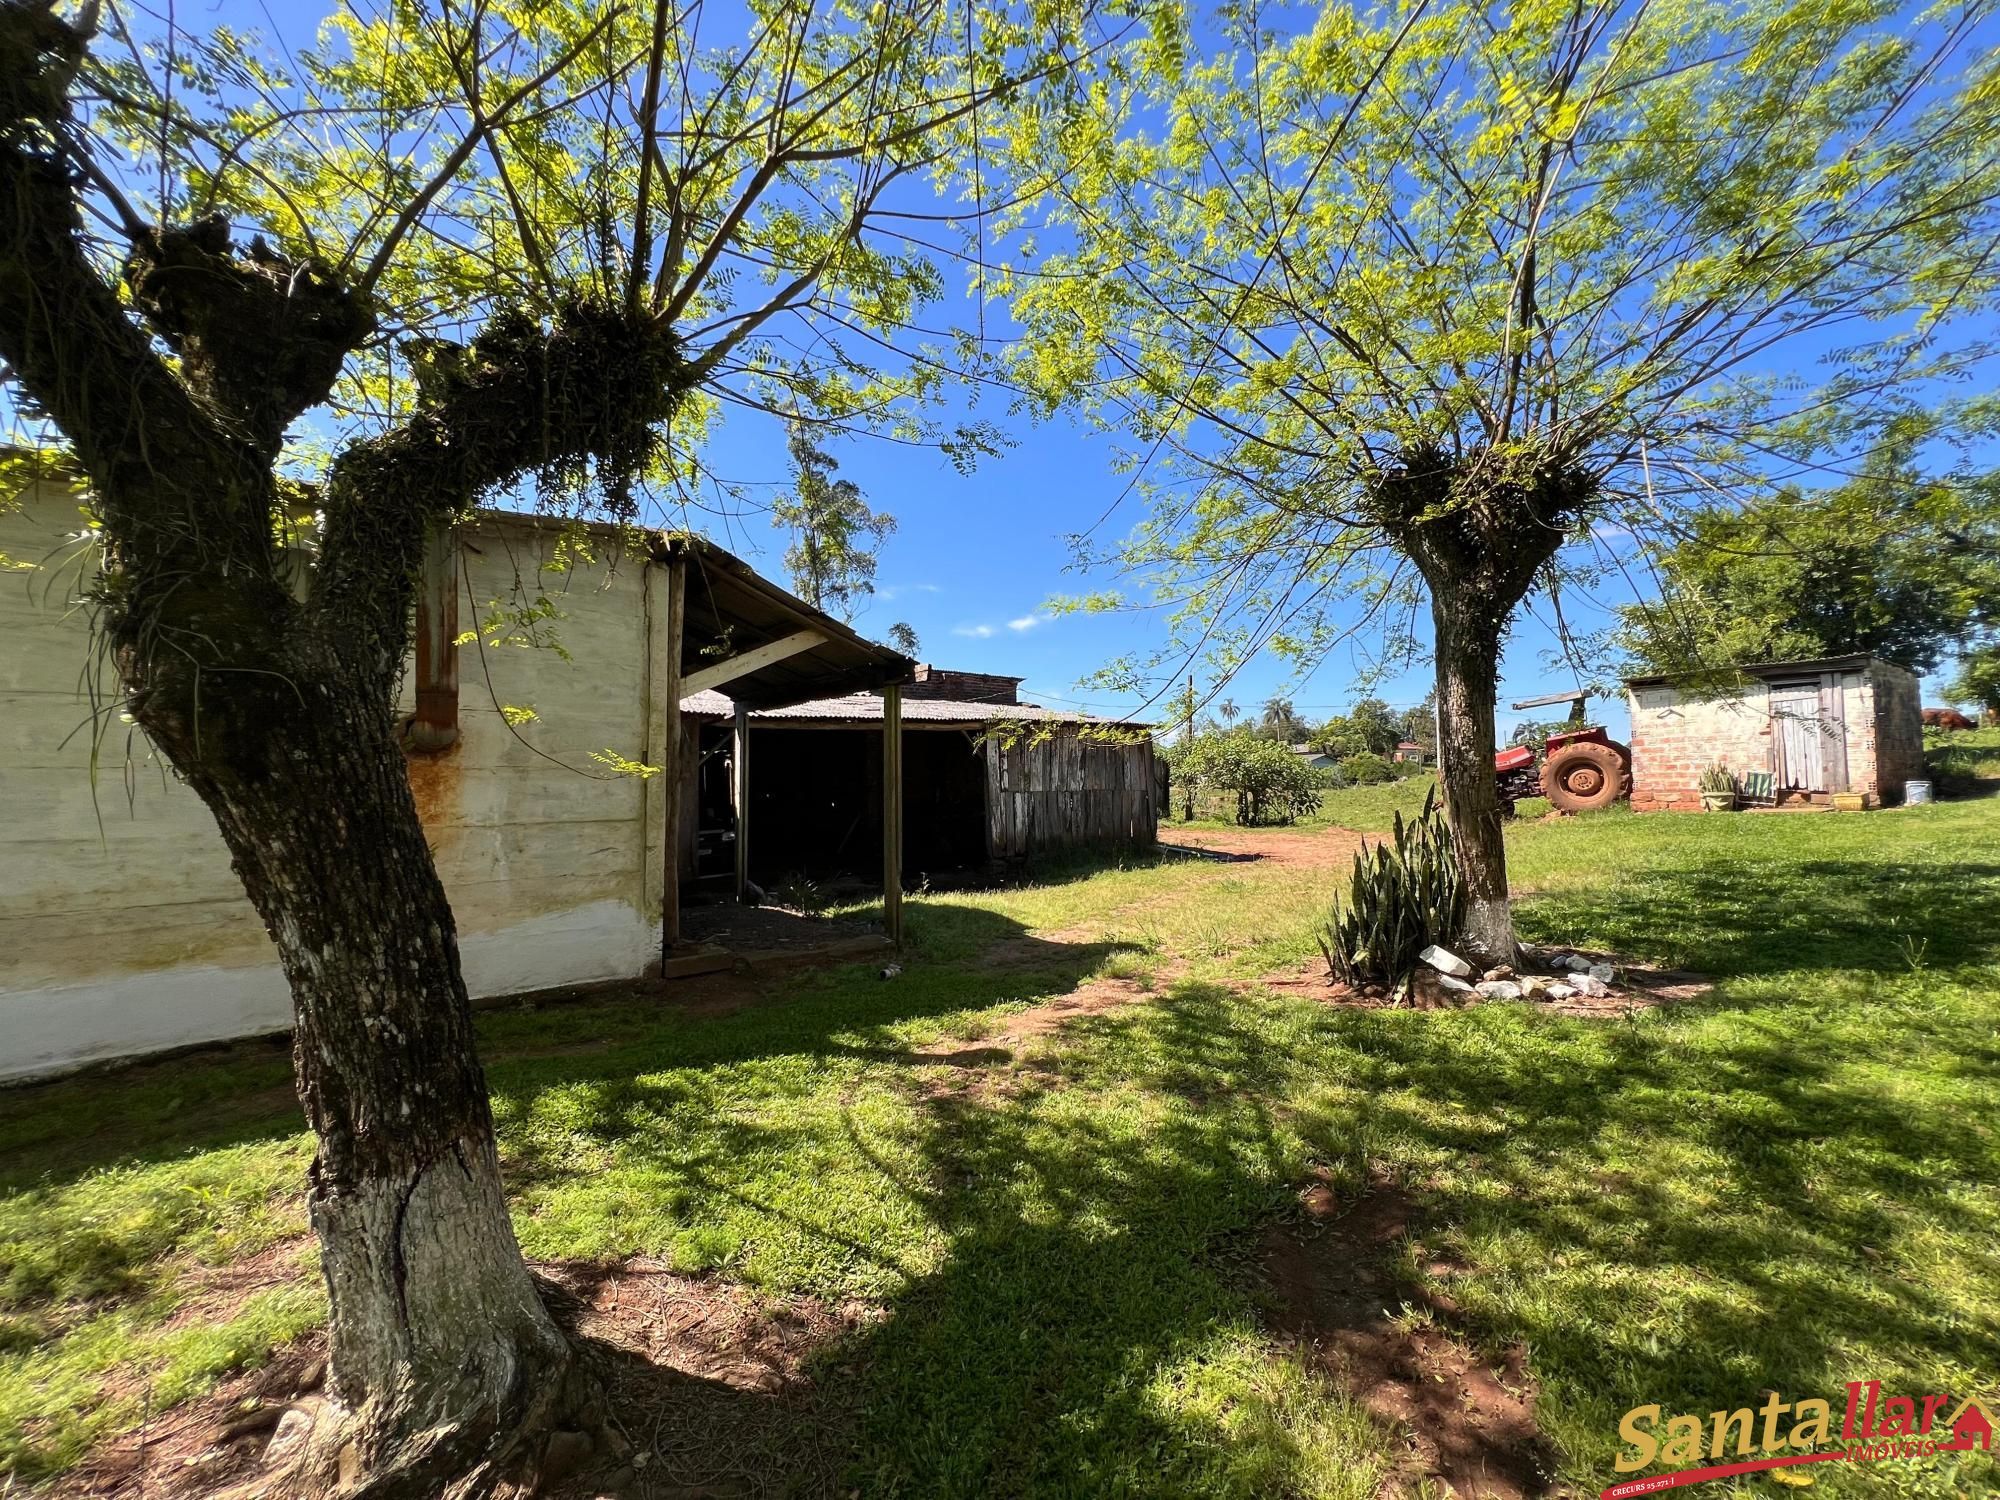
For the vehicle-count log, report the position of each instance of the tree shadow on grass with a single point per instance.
(1687, 1213)
(1752, 917)
(240, 1093)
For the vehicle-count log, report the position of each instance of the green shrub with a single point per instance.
(1404, 895)
(1366, 769)
(1271, 784)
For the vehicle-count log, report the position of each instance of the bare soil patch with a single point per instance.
(721, 1391)
(1305, 848)
(718, 1391)
(1468, 1423)
(202, 1445)
(768, 929)
(215, 1294)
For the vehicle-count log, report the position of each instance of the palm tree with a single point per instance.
(1281, 721)
(1228, 709)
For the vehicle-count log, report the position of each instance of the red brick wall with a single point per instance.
(963, 687)
(1676, 736)
(1898, 728)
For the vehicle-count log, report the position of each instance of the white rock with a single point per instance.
(1499, 989)
(1557, 992)
(1534, 986)
(1591, 985)
(1604, 972)
(1445, 961)
(288, 1438)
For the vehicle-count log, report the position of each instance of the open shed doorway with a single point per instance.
(816, 804)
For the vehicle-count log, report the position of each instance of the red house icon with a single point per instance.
(1971, 1427)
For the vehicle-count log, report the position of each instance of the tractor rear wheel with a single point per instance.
(1585, 775)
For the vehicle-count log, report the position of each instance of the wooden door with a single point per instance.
(1795, 732)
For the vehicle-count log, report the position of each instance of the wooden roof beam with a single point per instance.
(754, 660)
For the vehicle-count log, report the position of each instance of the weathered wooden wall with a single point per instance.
(1065, 792)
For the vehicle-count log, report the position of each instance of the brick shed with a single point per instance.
(1844, 723)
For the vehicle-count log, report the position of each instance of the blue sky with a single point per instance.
(975, 559)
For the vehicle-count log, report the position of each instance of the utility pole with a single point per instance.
(1187, 782)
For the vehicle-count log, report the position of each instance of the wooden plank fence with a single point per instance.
(1066, 792)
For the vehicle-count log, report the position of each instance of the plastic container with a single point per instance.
(1916, 793)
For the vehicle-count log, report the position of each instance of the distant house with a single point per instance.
(1313, 756)
(1412, 752)
(1839, 724)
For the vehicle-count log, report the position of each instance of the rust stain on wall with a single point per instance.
(435, 784)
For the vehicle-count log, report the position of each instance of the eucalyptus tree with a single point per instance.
(835, 532)
(316, 304)
(1395, 303)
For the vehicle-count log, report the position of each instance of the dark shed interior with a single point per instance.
(816, 802)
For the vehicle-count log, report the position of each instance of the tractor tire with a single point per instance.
(1585, 775)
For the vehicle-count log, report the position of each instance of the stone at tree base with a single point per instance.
(1576, 963)
(288, 1438)
(1499, 989)
(1503, 971)
(1534, 986)
(1604, 972)
(1430, 989)
(1556, 993)
(567, 1452)
(1445, 961)
(1592, 986)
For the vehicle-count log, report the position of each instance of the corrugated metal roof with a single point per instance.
(1762, 669)
(867, 708)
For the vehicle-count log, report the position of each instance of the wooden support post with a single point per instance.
(434, 726)
(739, 754)
(668, 676)
(892, 812)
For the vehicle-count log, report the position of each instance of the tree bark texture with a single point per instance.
(441, 1351)
(1479, 527)
(445, 1367)
(1468, 656)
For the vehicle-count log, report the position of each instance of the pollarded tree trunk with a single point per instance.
(444, 1364)
(446, 1371)
(1479, 526)
(1468, 658)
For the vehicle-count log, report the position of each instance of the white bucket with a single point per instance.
(1916, 793)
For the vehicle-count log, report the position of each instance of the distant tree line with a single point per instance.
(1893, 562)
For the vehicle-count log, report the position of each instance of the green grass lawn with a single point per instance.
(1368, 809)
(1790, 1184)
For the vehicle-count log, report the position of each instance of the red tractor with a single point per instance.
(1581, 768)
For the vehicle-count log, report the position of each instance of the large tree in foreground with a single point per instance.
(1394, 303)
(491, 247)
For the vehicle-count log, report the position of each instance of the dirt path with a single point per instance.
(1301, 848)
(1467, 1422)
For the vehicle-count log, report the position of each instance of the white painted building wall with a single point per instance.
(123, 929)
